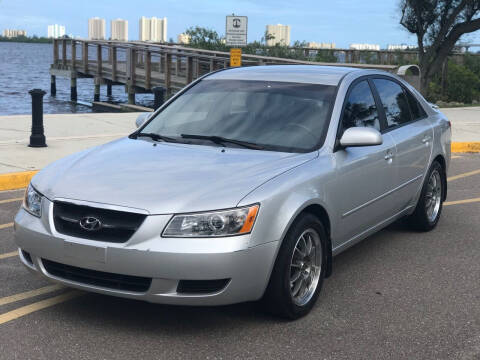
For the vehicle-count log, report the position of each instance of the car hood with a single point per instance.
(163, 178)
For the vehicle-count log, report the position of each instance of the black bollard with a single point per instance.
(37, 139)
(53, 85)
(159, 93)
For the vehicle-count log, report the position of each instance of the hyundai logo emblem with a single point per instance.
(90, 223)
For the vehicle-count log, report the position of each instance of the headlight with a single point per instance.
(33, 201)
(216, 223)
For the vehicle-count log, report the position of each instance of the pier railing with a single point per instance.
(141, 66)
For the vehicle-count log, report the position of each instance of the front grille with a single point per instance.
(97, 278)
(201, 286)
(116, 226)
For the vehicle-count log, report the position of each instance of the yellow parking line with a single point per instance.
(28, 309)
(10, 200)
(8, 255)
(7, 225)
(456, 157)
(466, 201)
(470, 173)
(29, 294)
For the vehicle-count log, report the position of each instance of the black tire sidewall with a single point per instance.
(420, 214)
(280, 281)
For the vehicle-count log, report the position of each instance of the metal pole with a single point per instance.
(53, 85)
(37, 138)
(159, 93)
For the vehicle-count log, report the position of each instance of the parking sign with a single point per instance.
(236, 30)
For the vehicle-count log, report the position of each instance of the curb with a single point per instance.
(14, 181)
(19, 180)
(465, 147)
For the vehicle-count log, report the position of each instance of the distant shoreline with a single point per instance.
(26, 39)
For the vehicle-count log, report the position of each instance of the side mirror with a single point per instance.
(361, 136)
(142, 118)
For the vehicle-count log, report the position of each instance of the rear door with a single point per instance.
(365, 175)
(408, 125)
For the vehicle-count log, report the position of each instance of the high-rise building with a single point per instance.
(56, 31)
(153, 29)
(364, 47)
(183, 38)
(278, 34)
(315, 45)
(11, 33)
(96, 28)
(119, 30)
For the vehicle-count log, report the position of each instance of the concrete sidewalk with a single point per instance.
(69, 133)
(65, 133)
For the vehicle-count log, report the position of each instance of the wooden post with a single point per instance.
(109, 88)
(96, 94)
(225, 64)
(197, 68)
(189, 70)
(168, 72)
(114, 63)
(55, 51)
(74, 54)
(73, 88)
(99, 60)
(148, 69)
(178, 65)
(212, 65)
(53, 85)
(64, 52)
(85, 57)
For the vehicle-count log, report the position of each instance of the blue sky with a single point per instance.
(339, 21)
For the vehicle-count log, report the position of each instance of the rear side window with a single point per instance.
(394, 102)
(360, 109)
(415, 107)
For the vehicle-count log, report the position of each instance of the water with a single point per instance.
(26, 66)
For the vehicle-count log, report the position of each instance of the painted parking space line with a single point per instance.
(8, 255)
(28, 309)
(29, 294)
(470, 173)
(456, 157)
(7, 225)
(10, 200)
(465, 201)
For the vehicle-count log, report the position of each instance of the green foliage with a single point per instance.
(327, 56)
(26, 39)
(463, 85)
(205, 38)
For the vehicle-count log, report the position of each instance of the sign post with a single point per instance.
(236, 36)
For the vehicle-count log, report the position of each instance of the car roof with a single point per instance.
(311, 74)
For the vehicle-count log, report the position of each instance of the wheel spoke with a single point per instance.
(309, 245)
(295, 277)
(297, 287)
(302, 254)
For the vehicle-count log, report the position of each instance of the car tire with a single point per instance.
(429, 205)
(303, 254)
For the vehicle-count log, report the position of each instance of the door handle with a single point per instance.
(389, 155)
(426, 139)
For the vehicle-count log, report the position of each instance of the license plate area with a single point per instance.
(86, 253)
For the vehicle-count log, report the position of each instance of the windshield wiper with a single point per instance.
(221, 140)
(154, 137)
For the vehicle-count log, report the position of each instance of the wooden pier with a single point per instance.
(145, 67)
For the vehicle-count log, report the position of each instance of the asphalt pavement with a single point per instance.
(397, 295)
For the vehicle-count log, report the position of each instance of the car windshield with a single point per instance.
(279, 116)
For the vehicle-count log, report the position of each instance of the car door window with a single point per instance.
(415, 107)
(394, 101)
(360, 108)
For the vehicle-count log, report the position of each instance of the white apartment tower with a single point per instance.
(55, 31)
(96, 29)
(153, 29)
(280, 35)
(119, 30)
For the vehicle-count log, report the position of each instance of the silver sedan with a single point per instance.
(241, 187)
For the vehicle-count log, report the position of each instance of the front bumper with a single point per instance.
(165, 260)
